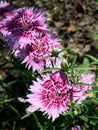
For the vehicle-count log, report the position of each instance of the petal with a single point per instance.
(59, 76)
(30, 109)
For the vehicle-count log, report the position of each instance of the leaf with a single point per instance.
(84, 68)
(93, 58)
(84, 118)
(12, 82)
(85, 62)
(0, 55)
(25, 116)
(95, 90)
(14, 125)
(14, 109)
(91, 100)
(83, 84)
(6, 100)
(94, 117)
(65, 49)
(45, 57)
(92, 122)
(74, 62)
(50, 69)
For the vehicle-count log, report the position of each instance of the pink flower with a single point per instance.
(79, 91)
(50, 95)
(76, 127)
(53, 94)
(36, 51)
(5, 10)
(22, 27)
(88, 79)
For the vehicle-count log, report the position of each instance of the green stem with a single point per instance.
(37, 122)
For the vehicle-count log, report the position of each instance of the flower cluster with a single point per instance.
(29, 39)
(28, 36)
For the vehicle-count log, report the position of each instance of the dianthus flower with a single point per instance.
(54, 93)
(5, 10)
(76, 127)
(33, 54)
(50, 95)
(24, 24)
(79, 91)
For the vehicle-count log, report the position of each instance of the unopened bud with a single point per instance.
(55, 52)
(76, 112)
(64, 65)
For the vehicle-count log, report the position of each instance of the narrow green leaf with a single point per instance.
(91, 100)
(80, 83)
(0, 55)
(94, 90)
(93, 58)
(37, 121)
(6, 100)
(84, 68)
(14, 125)
(25, 116)
(45, 57)
(84, 118)
(92, 122)
(85, 62)
(74, 62)
(65, 49)
(93, 117)
(14, 109)
(51, 69)
(12, 82)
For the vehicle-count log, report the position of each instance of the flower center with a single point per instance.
(39, 48)
(58, 94)
(25, 27)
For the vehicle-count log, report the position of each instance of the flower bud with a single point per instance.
(64, 65)
(76, 112)
(55, 52)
